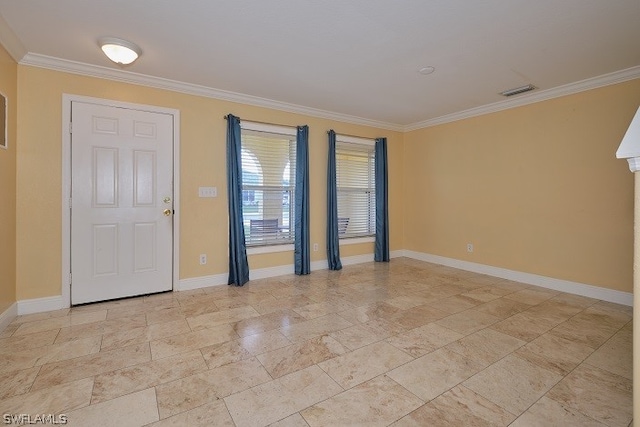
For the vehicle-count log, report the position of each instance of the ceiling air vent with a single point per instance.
(518, 90)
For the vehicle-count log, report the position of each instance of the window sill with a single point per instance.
(268, 249)
(356, 240)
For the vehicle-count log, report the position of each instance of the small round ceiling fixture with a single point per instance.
(426, 70)
(120, 51)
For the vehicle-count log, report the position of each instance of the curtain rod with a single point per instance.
(352, 136)
(265, 123)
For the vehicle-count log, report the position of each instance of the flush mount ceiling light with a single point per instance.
(518, 90)
(426, 70)
(119, 51)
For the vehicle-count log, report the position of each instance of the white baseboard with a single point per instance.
(610, 295)
(397, 254)
(283, 270)
(38, 305)
(201, 282)
(8, 315)
(264, 273)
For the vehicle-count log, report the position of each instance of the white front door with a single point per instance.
(121, 202)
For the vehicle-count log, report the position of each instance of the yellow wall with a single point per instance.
(536, 189)
(203, 222)
(8, 86)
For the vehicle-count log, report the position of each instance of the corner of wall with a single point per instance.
(7, 316)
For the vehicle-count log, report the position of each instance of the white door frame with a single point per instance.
(67, 99)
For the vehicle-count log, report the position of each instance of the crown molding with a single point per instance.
(533, 97)
(73, 67)
(11, 42)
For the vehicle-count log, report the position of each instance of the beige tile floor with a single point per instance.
(405, 344)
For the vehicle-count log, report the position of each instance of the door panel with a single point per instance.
(144, 241)
(105, 174)
(144, 178)
(105, 250)
(122, 173)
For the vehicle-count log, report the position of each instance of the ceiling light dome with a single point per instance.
(119, 51)
(427, 70)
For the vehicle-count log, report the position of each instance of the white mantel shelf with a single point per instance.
(630, 146)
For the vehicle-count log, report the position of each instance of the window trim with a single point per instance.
(355, 140)
(269, 128)
(269, 249)
(357, 240)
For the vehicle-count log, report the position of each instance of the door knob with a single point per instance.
(166, 212)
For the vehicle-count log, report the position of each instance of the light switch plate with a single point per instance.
(207, 191)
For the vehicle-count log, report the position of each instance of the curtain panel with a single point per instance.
(333, 243)
(302, 243)
(381, 251)
(238, 263)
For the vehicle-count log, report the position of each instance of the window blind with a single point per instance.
(355, 179)
(268, 186)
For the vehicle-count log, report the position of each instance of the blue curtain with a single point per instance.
(302, 245)
(333, 243)
(381, 252)
(238, 264)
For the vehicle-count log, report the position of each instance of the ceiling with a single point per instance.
(357, 59)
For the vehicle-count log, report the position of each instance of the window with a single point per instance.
(355, 181)
(268, 183)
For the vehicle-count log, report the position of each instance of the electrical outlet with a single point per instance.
(203, 259)
(315, 247)
(469, 247)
